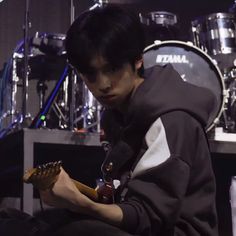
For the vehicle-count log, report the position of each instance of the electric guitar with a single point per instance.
(44, 176)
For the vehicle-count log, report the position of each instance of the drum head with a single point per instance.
(193, 65)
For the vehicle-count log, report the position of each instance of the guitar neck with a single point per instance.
(44, 176)
(86, 190)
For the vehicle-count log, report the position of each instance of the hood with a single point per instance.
(163, 91)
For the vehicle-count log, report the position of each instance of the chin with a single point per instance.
(110, 105)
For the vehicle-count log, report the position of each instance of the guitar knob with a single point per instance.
(109, 167)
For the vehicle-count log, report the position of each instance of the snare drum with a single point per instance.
(161, 25)
(194, 66)
(163, 18)
(215, 33)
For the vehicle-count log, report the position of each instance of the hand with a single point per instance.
(64, 194)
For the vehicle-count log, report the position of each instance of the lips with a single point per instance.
(107, 98)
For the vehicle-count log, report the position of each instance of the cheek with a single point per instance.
(122, 79)
(127, 83)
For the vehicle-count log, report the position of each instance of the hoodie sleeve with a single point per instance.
(157, 191)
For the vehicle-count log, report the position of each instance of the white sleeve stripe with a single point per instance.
(158, 149)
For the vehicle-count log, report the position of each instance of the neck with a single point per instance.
(124, 108)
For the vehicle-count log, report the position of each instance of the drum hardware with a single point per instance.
(196, 31)
(68, 91)
(45, 54)
(12, 126)
(85, 113)
(41, 89)
(40, 118)
(229, 114)
(160, 25)
(50, 44)
(42, 72)
(228, 119)
(163, 18)
(102, 3)
(99, 3)
(62, 119)
(215, 33)
(232, 73)
(9, 86)
(195, 66)
(91, 111)
(226, 63)
(230, 105)
(42, 68)
(25, 77)
(57, 107)
(144, 19)
(91, 119)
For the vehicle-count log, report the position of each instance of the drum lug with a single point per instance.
(189, 43)
(216, 121)
(226, 93)
(215, 62)
(157, 42)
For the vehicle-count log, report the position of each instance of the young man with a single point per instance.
(155, 125)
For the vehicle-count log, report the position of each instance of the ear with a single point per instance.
(139, 63)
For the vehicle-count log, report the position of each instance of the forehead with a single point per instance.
(98, 62)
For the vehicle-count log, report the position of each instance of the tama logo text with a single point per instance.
(171, 59)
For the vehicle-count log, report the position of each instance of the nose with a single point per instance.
(104, 84)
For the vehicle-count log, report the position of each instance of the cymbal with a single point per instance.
(117, 1)
(123, 1)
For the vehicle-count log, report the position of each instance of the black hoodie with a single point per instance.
(160, 154)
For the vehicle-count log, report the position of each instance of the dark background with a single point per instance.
(53, 16)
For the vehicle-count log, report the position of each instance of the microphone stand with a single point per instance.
(71, 78)
(26, 63)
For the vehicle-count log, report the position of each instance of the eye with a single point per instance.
(111, 69)
(91, 78)
(89, 75)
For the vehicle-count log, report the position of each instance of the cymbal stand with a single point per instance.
(72, 78)
(41, 116)
(41, 89)
(19, 120)
(99, 3)
(26, 63)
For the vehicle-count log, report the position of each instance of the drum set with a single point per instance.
(208, 59)
(58, 99)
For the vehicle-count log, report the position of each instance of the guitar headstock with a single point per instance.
(43, 176)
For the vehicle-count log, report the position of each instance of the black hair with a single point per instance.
(112, 32)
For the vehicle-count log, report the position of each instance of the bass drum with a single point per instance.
(194, 66)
